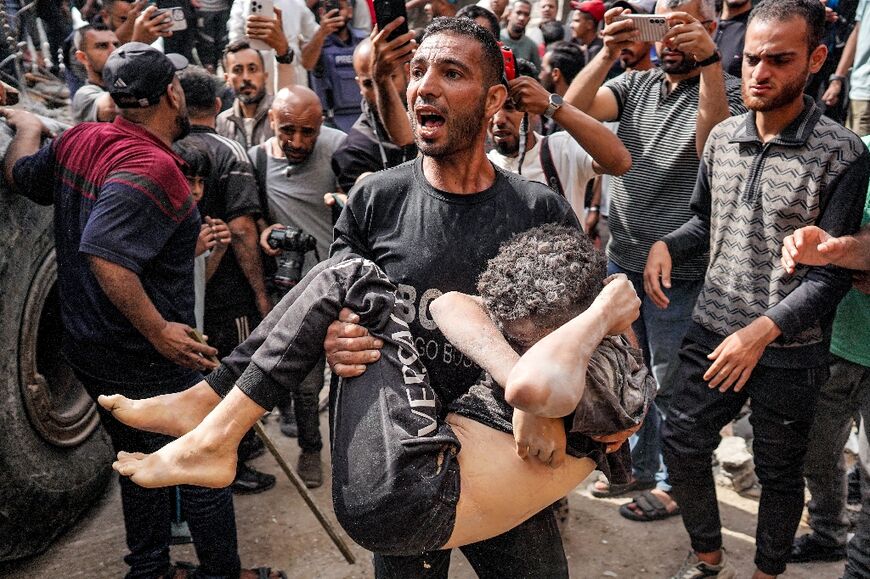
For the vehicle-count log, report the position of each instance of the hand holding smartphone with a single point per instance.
(264, 8)
(386, 11)
(651, 27)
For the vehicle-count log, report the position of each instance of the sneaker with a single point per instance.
(693, 568)
(251, 447)
(249, 481)
(309, 469)
(808, 548)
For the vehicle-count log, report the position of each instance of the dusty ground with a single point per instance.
(277, 529)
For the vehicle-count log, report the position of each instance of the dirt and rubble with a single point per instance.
(276, 528)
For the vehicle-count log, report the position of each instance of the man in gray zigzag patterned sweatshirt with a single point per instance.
(758, 332)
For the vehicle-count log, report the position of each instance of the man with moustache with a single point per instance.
(432, 224)
(665, 115)
(759, 332)
(294, 170)
(125, 228)
(94, 43)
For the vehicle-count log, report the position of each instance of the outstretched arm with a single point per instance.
(608, 153)
(812, 245)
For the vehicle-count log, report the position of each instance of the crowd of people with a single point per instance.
(510, 239)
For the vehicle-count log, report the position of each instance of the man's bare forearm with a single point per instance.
(124, 289)
(550, 378)
(25, 143)
(245, 243)
(463, 321)
(581, 93)
(712, 104)
(311, 50)
(393, 114)
(607, 151)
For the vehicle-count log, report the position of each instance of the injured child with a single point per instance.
(409, 474)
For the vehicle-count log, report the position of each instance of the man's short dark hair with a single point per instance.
(473, 12)
(568, 57)
(552, 31)
(200, 90)
(811, 11)
(81, 34)
(238, 46)
(550, 273)
(196, 159)
(526, 68)
(493, 65)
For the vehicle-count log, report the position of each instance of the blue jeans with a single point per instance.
(660, 333)
(148, 512)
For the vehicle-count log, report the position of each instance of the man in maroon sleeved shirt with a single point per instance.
(125, 228)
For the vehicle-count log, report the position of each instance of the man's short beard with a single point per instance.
(182, 124)
(508, 148)
(789, 93)
(254, 98)
(461, 131)
(685, 66)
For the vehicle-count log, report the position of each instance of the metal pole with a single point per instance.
(306, 495)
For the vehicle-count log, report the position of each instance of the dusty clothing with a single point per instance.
(618, 392)
(394, 457)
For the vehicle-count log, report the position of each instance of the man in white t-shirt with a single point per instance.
(565, 160)
(299, 27)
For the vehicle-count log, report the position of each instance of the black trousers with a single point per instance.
(783, 403)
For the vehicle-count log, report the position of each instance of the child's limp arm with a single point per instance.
(550, 378)
(463, 321)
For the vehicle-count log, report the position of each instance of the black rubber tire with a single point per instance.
(44, 487)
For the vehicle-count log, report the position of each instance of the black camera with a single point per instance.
(294, 244)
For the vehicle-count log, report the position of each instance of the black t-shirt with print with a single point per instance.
(430, 242)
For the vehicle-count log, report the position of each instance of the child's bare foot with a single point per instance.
(188, 460)
(170, 414)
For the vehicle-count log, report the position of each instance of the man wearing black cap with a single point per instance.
(125, 228)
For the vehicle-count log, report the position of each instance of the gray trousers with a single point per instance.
(846, 392)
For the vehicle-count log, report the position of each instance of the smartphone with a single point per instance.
(652, 27)
(176, 15)
(388, 10)
(328, 5)
(259, 8)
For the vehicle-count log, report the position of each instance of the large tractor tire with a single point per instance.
(54, 456)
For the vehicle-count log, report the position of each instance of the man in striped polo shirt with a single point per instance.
(758, 332)
(665, 115)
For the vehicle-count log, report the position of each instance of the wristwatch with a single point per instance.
(555, 104)
(712, 59)
(286, 58)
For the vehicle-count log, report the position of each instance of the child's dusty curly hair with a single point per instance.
(550, 273)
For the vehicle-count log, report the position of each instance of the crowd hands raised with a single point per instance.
(299, 175)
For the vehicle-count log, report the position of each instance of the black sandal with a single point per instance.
(652, 509)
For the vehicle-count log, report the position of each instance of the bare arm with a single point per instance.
(387, 59)
(550, 378)
(124, 289)
(271, 31)
(245, 245)
(329, 23)
(463, 321)
(586, 92)
(690, 36)
(27, 140)
(832, 94)
(812, 245)
(608, 153)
